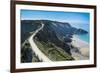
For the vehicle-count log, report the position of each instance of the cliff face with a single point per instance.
(58, 33)
(54, 34)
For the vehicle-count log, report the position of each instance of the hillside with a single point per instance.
(54, 40)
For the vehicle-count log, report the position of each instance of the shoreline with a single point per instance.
(82, 47)
(78, 42)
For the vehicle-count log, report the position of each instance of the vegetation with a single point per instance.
(28, 27)
(53, 52)
(27, 54)
(54, 40)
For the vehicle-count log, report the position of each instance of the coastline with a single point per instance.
(82, 47)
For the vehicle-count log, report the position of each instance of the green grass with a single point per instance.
(53, 52)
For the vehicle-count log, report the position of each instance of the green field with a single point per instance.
(53, 52)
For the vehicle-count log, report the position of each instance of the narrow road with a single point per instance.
(37, 51)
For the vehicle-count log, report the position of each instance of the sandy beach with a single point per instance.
(83, 48)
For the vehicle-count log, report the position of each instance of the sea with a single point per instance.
(84, 37)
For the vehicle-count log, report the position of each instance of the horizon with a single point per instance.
(55, 15)
(74, 18)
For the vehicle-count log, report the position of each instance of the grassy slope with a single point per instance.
(53, 52)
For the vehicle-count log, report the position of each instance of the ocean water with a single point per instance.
(84, 37)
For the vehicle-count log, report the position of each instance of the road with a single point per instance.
(37, 51)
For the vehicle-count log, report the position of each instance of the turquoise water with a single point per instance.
(84, 37)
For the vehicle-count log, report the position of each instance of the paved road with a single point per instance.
(37, 51)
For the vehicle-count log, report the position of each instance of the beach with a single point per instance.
(82, 47)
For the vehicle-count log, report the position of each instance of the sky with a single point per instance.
(74, 18)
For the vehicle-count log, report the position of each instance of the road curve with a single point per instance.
(37, 51)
